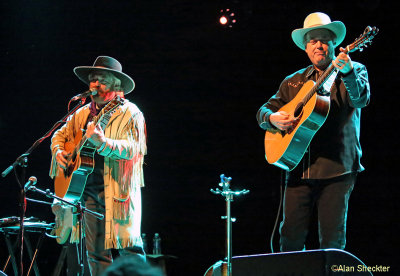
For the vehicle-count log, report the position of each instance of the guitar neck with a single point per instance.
(358, 44)
(101, 120)
(320, 82)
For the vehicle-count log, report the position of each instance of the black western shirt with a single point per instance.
(335, 149)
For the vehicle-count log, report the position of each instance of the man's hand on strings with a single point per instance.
(95, 134)
(282, 120)
(61, 158)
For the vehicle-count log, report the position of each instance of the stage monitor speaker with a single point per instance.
(332, 262)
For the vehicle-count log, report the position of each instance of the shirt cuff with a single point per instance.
(106, 148)
(101, 147)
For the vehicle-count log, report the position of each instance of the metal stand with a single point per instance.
(228, 194)
(30, 227)
(80, 210)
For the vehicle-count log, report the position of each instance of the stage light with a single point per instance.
(223, 20)
(227, 18)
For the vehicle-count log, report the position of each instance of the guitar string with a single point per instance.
(103, 113)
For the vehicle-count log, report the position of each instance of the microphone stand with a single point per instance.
(80, 210)
(22, 161)
(228, 194)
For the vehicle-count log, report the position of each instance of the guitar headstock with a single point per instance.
(363, 41)
(117, 100)
(110, 107)
(114, 103)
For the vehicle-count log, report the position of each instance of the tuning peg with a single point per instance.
(367, 29)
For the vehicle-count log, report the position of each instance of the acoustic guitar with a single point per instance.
(309, 108)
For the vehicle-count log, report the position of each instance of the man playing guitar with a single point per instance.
(326, 174)
(114, 129)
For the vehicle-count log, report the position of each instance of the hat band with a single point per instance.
(315, 25)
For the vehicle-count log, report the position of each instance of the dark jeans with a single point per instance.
(98, 257)
(73, 268)
(330, 197)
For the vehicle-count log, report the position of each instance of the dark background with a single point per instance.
(199, 86)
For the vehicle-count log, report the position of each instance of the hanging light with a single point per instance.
(227, 18)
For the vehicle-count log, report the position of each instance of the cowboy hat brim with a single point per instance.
(127, 83)
(337, 27)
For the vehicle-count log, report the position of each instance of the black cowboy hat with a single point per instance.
(108, 64)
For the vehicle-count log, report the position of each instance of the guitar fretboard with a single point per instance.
(320, 82)
(101, 120)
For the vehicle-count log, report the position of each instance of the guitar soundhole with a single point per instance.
(299, 110)
(69, 170)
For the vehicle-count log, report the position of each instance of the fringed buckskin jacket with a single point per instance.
(123, 153)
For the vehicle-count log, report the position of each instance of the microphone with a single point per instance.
(31, 182)
(91, 91)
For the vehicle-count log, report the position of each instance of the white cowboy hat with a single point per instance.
(108, 64)
(319, 20)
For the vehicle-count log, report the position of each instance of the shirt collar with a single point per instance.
(94, 109)
(311, 72)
